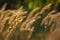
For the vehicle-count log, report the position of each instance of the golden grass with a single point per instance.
(15, 17)
(18, 19)
(52, 20)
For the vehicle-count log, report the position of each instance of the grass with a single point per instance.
(21, 24)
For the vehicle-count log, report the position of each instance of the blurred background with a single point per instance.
(29, 4)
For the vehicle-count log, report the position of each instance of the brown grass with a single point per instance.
(21, 26)
(53, 21)
(14, 18)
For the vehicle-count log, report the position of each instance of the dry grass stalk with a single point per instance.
(51, 19)
(54, 23)
(14, 23)
(12, 27)
(30, 17)
(10, 14)
(45, 7)
(18, 13)
(19, 18)
(5, 15)
(27, 24)
(46, 19)
(3, 23)
(30, 33)
(55, 20)
(32, 13)
(1, 16)
(3, 8)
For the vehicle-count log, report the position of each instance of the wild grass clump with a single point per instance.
(15, 19)
(52, 20)
(19, 24)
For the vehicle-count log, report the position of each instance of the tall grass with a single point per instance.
(52, 20)
(21, 23)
